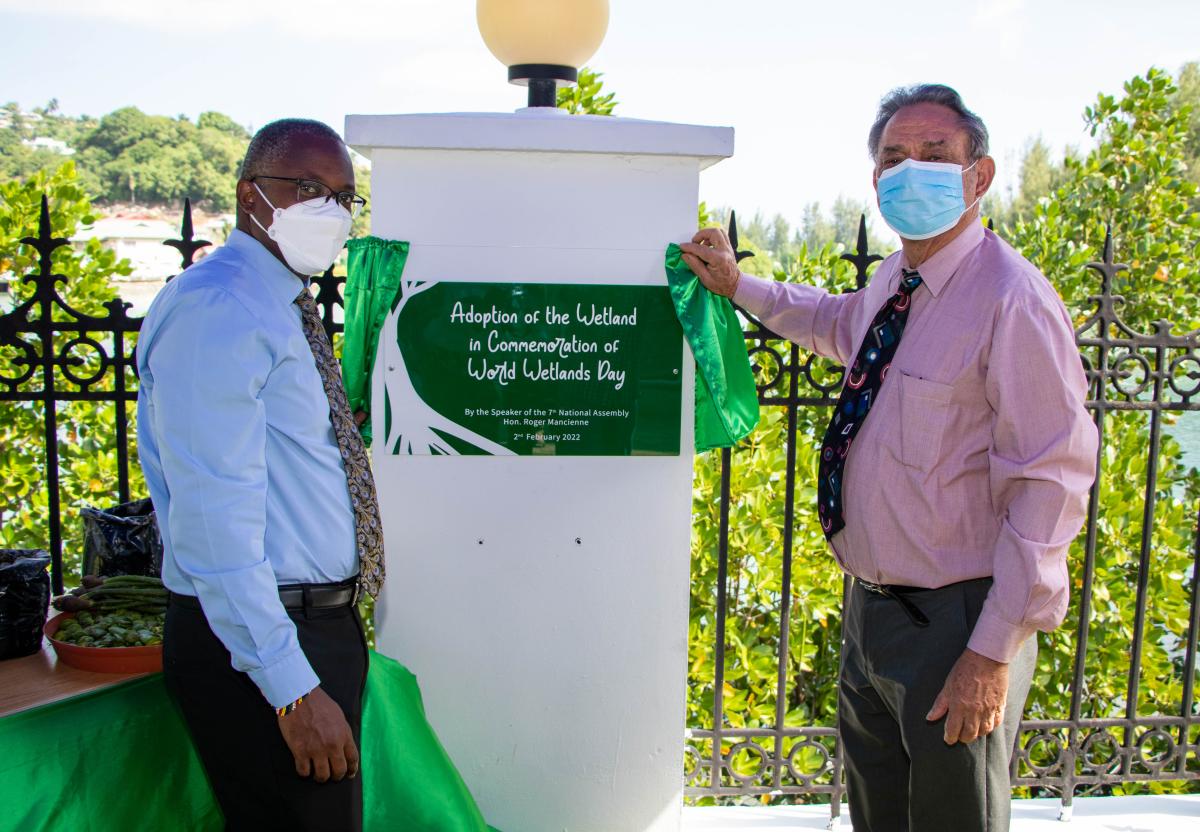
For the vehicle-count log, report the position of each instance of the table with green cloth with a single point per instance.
(119, 758)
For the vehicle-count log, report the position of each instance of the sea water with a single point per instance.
(1187, 432)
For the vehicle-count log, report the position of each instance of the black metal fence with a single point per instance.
(1128, 371)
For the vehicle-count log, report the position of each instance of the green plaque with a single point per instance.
(535, 368)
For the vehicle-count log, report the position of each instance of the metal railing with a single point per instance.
(1127, 370)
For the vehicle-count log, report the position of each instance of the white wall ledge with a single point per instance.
(539, 129)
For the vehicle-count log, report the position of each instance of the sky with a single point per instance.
(798, 80)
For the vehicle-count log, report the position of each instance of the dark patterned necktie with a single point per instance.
(863, 380)
(367, 526)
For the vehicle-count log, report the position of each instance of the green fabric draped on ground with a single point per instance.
(371, 292)
(726, 396)
(120, 759)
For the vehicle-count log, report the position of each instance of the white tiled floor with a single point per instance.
(1167, 813)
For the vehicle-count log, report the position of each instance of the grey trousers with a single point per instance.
(901, 776)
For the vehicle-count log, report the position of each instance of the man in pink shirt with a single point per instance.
(953, 477)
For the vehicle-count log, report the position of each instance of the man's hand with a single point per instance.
(973, 698)
(711, 256)
(320, 739)
(360, 416)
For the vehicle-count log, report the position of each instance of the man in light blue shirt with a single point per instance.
(236, 435)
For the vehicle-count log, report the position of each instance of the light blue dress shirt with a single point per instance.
(239, 455)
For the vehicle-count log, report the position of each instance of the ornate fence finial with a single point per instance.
(329, 295)
(862, 258)
(1107, 268)
(44, 243)
(733, 238)
(185, 245)
(187, 217)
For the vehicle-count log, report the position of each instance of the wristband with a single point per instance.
(291, 706)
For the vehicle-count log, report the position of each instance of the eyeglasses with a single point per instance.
(309, 189)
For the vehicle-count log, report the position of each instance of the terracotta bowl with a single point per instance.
(103, 659)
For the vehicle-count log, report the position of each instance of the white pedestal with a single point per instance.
(542, 602)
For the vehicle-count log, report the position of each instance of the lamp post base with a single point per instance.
(543, 92)
(543, 81)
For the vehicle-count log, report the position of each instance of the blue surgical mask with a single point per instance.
(920, 200)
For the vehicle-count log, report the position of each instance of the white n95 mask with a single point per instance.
(310, 234)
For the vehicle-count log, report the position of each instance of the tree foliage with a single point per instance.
(134, 157)
(587, 96)
(1188, 96)
(1039, 176)
(1136, 181)
(129, 156)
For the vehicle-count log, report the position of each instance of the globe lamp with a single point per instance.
(542, 42)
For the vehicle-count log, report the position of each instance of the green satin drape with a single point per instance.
(372, 289)
(120, 759)
(726, 396)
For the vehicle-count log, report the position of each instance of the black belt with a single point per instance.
(899, 594)
(298, 596)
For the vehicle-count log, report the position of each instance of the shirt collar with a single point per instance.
(938, 269)
(278, 279)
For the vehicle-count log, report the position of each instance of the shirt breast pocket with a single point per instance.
(924, 416)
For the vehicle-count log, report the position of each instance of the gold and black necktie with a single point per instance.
(367, 526)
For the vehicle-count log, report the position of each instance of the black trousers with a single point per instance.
(900, 774)
(235, 730)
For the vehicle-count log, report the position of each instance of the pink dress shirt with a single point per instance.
(977, 456)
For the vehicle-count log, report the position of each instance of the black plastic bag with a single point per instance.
(123, 540)
(24, 600)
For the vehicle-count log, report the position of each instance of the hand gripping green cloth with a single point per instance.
(120, 759)
(726, 396)
(371, 292)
